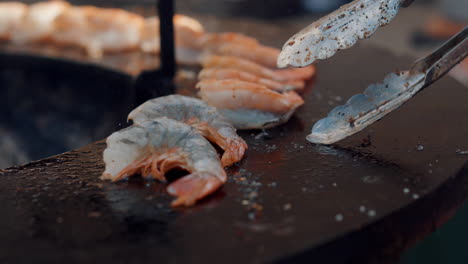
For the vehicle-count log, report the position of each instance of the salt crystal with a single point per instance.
(461, 152)
(362, 208)
(339, 217)
(419, 147)
(251, 216)
(406, 190)
(371, 213)
(415, 196)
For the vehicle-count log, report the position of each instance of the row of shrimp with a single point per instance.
(95, 30)
(105, 30)
(242, 81)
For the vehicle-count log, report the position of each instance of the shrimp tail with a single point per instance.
(153, 166)
(233, 152)
(294, 98)
(193, 187)
(233, 148)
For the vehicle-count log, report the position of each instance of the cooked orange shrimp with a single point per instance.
(257, 53)
(38, 23)
(98, 30)
(216, 39)
(198, 114)
(226, 73)
(11, 15)
(155, 147)
(214, 61)
(249, 105)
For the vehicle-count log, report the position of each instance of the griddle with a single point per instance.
(288, 200)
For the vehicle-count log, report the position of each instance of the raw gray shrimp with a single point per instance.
(155, 147)
(198, 114)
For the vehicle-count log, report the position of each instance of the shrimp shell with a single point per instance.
(155, 147)
(249, 105)
(206, 119)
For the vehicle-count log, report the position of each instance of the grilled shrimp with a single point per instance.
(38, 23)
(214, 61)
(155, 147)
(199, 115)
(11, 16)
(98, 30)
(249, 105)
(226, 73)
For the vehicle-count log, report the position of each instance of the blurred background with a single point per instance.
(49, 111)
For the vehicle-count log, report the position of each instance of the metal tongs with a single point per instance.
(338, 30)
(378, 100)
(341, 29)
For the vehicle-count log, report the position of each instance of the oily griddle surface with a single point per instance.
(282, 201)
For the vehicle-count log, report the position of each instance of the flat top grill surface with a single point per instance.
(58, 210)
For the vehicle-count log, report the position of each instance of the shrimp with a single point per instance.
(199, 115)
(214, 61)
(11, 15)
(249, 105)
(37, 24)
(263, 55)
(215, 39)
(226, 73)
(98, 30)
(155, 147)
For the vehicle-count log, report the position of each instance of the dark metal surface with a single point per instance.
(57, 209)
(48, 106)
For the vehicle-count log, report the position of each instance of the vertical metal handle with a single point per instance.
(166, 29)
